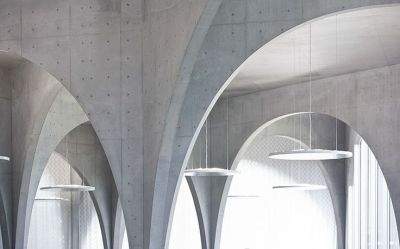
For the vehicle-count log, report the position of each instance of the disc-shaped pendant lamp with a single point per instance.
(243, 196)
(210, 172)
(69, 187)
(50, 199)
(303, 187)
(213, 171)
(313, 153)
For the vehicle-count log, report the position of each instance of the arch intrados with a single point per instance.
(246, 61)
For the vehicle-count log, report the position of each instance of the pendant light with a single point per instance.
(4, 158)
(214, 171)
(70, 187)
(310, 153)
(50, 199)
(303, 187)
(243, 196)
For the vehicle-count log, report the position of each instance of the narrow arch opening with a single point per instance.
(58, 218)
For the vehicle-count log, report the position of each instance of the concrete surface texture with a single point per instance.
(146, 74)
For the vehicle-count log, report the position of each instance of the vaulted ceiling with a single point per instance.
(344, 43)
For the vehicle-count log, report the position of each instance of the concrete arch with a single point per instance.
(4, 227)
(209, 193)
(37, 99)
(332, 170)
(44, 111)
(94, 197)
(224, 49)
(88, 159)
(119, 227)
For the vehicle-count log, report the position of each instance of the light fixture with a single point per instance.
(304, 187)
(50, 199)
(214, 171)
(69, 187)
(5, 158)
(243, 196)
(311, 153)
(210, 172)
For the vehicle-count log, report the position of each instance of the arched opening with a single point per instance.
(274, 81)
(359, 206)
(258, 216)
(39, 112)
(63, 219)
(83, 219)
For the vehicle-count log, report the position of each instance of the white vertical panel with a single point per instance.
(371, 221)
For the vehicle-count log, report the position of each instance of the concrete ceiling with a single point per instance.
(366, 38)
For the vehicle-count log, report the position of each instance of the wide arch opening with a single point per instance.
(354, 210)
(355, 46)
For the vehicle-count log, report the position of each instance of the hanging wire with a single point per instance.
(201, 145)
(83, 174)
(294, 92)
(206, 143)
(227, 132)
(336, 65)
(309, 76)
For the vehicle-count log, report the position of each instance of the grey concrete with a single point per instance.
(233, 36)
(118, 227)
(367, 103)
(5, 167)
(207, 193)
(44, 124)
(145, 73)
(344, 43)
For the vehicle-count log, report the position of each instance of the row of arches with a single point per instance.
(211, 61)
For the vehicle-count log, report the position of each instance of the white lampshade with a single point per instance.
(311, 154)
(210, 172)
(69, 187)
(50, 199)
(299, 187)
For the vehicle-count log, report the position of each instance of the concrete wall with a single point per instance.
(367, 103)
(145, 73)
(29, 84)
(232, 37)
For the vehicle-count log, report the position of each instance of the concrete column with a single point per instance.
(5, 166)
